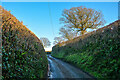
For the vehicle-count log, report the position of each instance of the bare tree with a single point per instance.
(58, 40)
(82, 18)
(45, 42)
(67, 33)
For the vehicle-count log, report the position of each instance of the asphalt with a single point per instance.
(60, 69)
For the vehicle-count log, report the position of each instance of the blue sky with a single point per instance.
(36, 15)
(59, 0)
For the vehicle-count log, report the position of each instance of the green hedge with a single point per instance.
(23, 55)
(100, 58)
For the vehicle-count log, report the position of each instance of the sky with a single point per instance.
(42, 18)
(60, 0)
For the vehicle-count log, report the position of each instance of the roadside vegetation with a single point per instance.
(48, 52)
(95, 52)
(23, 55)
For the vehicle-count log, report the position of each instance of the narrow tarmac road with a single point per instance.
(60, 69)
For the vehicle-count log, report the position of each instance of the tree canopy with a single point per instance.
(76, 21)
(82, 18)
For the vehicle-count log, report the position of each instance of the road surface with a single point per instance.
(60, 69)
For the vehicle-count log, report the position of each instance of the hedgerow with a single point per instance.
(96, 53)
(23, 55)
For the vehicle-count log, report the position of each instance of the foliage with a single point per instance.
(60, 55)
(23, 55)
(48, 52)
(45, 42)
(96, 53)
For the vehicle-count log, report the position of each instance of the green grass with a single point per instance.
(60, 55)
(94, 59)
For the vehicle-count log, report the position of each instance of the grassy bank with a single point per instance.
(99, 58)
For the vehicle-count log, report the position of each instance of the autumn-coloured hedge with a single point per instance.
(96, 52)
(23, 53)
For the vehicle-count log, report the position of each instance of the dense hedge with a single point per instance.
(23, 55)
(96, 53)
